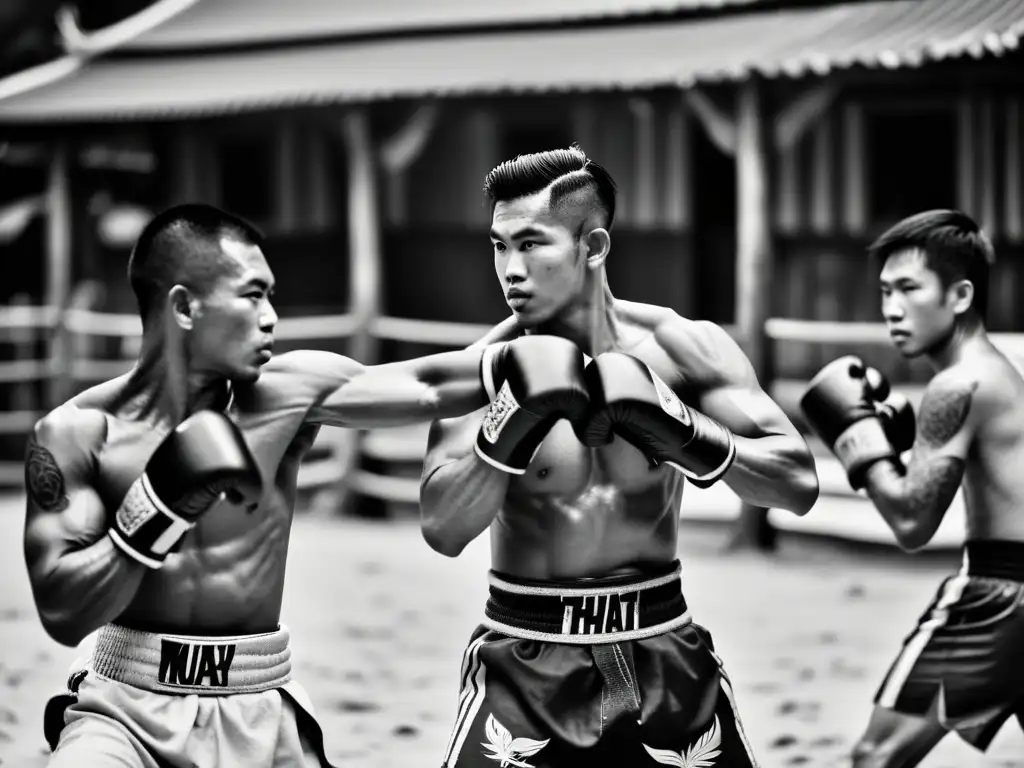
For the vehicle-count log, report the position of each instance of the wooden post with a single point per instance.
(753, 270)
(364, 234)
(364, 265)
(58, 267)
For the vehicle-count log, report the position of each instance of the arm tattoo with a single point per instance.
(934, 485)
(43, 479)
(944, 414)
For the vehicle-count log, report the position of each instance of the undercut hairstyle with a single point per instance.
(578, 186)
(953, 245)
(182, 246)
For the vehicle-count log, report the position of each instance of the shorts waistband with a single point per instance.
(187, 664)
(589, 612)
(994, 559)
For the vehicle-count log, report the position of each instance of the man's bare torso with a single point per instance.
(227, 577)
(583, 512)
(993, 484)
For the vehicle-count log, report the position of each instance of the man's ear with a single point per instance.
(597, 244)
(183, 307)
(961, 295)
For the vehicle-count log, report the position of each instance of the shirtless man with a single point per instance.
(160, 504)
(962, 668)
(587, 654)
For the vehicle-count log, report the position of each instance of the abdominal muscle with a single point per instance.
(586, 513)
(227, 578)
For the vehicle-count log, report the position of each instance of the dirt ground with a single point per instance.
(379, 624)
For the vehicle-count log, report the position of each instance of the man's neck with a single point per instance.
(165, 386)
(964, 336)
(591, 323)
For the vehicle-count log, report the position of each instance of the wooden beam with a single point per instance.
(364, 233)
(854, 169)
(965, 182)
(288, 204)
(721, 128)
(802, 113)
(58, 266)
(988, 213)
(644, 162)
(1013, 199)
(677, 200)
(788, 198)
(321, 214)
(753, 233)
(822, 176)
(400, 151)
(753, 272)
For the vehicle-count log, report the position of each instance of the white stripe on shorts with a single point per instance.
(470, 699)
(912, 650)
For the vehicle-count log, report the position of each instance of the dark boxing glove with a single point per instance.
(630, 400)
(204, 457)
(897, 415)
(533, 382)
(841, 404)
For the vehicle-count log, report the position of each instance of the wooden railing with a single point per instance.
(66, 372)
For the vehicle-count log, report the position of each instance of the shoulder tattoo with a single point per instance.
(944, 413)
(44, 480)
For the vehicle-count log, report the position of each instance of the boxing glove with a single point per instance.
(840, 405)
(897, 415)
(630, 400)
(533, 381)
(203, 458)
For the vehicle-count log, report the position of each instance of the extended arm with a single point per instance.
(346, 394)
(914, 500)
(80, 579)
(773, 465)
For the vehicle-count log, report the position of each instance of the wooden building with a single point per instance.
(754, 142)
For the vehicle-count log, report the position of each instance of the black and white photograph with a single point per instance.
(512, 383)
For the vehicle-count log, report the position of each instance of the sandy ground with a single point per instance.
(380, 623)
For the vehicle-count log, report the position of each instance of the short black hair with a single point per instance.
(953, 244)
(575, 181)
(181, 245)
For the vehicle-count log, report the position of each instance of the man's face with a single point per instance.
(915, 306)
(537, 259)
(234, 328)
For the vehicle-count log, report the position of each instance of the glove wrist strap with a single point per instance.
(144, 527)
(860, 445)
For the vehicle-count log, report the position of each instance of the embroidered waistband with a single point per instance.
(186, 664)
(587, 612)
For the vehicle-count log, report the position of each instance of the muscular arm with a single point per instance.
(79, 579)
(773, 466)
(460, 493)
(913, 501)
(344, 393)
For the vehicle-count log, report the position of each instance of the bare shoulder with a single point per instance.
(101, 396)
(648, 316)
(506, 330)
(954, 397)
(704, 353)
(305, 376)
(66, 439)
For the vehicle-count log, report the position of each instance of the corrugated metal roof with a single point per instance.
(234, 22)
(790, 42)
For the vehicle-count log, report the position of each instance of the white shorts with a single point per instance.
(153, 700)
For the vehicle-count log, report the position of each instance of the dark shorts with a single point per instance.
(656, 697)
(964, 662)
